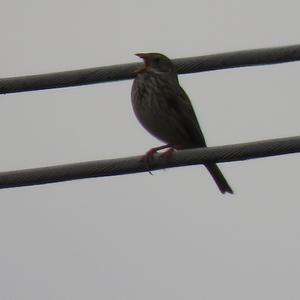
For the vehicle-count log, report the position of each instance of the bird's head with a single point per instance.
(156, 62)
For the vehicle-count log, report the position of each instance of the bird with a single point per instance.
(164, 109)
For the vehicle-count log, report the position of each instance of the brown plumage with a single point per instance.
(165, 110)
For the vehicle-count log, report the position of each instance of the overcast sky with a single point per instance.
(141, 237)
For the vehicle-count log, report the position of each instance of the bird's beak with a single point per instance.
(144, 67)
(142, 55)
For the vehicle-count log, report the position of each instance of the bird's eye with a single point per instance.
(156, 59)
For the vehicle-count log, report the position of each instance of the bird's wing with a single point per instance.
(182, 109)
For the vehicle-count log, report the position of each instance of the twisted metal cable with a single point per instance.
(220, 61)
(129, 165)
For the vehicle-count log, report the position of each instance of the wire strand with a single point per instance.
(211, 62)
(129, 165)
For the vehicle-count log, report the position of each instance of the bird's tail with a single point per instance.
(219, 179)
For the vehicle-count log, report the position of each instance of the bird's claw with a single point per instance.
(168, 153)
(149, 155)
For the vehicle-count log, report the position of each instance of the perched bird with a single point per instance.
(165, 110)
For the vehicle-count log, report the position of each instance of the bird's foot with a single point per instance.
(150, 154)
(168, 153)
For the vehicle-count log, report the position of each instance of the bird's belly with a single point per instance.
(159, 121)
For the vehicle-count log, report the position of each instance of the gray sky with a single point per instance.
(167, 236)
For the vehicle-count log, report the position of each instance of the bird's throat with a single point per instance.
(141, 69)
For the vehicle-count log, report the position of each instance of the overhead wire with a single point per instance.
(130, 165)
(235, 59)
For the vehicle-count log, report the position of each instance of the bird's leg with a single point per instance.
(149, 154)
(168, 153)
